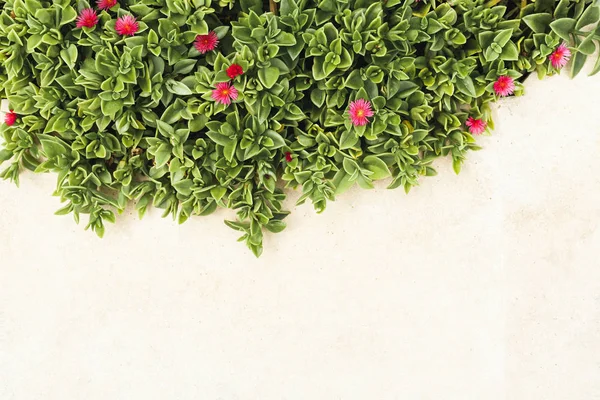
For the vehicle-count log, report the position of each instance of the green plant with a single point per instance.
(190, 105)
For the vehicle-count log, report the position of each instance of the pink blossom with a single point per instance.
(476, 126)
(359, 111)
(88, 18)
(127, 25)
(206, 43)
(10, 118)
(224, 93)
(106, 4)
(561, 56)
(504, 86)
(234, 70)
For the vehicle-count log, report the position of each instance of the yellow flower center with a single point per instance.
(360, 113)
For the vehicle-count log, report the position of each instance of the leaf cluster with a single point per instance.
(123, 119)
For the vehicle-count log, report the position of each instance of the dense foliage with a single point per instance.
(190, 105)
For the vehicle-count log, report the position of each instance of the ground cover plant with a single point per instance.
(191, 105)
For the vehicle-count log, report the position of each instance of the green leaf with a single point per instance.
(503, 36)
(538, 22)
(466, 86)
(285, 39)
(69, 56)
(68, 15)
(229, 150)
(164, 129)
(33, 42)
(563, 27)
(163, 155)
(590, 16)
(275, 226)
(579, 60)
(350, 166)
(178, 88)
(268, 76)
(53, 146)
(509, 52)
(596, 68)
(419, 134)
(278, 140)
(184, 186)
(587, 46)
(457, 165)
(317, 96)
(354, 80)
(32, 6)
(218, 138)
(341, 181)
(111, 108)
(377, 166)
(218, 192)
(5, 155)
(406, 88)
(348, 139)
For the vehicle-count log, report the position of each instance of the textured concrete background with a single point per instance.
(479, 286)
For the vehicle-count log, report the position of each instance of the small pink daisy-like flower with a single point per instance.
(224, 93)
(206, 43)
(126, 25)
(10, 118)
(87, 18)
(359, 111)
(106, 4)
(561, 56)
(504, 86)
(476, 126)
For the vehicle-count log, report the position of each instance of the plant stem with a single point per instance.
(523, 5)
(492, 3)
(273, 6)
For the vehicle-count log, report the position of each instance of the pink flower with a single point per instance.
(224, 93)
(288, 156)
(359, 111)
(476, 126)
(504, 86)
(88, 18)
(561, 56)
(205, 43)
(126, 25)
(234, 70)
(10, 118)
(106, 4)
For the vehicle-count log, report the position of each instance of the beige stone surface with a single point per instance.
(484, 285)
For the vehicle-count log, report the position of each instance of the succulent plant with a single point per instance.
(191, 105)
